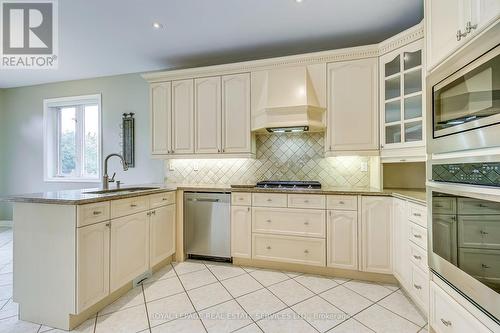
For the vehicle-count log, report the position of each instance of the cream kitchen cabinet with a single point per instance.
(161, 118)
(451, 23)
(352, 107)
(401, 259)
(129, 250)
(208, 113)
(342, 239)
(92, 257)
(376, 234)
(161, 233)
(236, 123)
(402, 104)
(182, 128)
(241, 230)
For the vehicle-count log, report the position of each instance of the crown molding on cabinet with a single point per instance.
(408, 36)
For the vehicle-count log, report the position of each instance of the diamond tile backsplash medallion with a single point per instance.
(294, 156)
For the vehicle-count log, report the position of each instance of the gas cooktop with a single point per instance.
(307, 184)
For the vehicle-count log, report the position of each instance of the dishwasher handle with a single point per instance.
(203, 200)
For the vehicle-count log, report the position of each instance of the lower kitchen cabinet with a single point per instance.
(401, 264)
(376, 229)
(92, 258)
(342, 239)
(129, 249)
(161, 234)
(241, 231)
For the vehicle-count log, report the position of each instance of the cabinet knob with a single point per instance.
(438, 206)
(483, 232)
(417, 286)
(306, 223)
(417, 214)
(97, 213)
(446, 322)
(133, 205)
(306, 201)
(218, 150)
(268, 247)
(108, 224)
(306, 251)
(268, 221)
(485, 266)
(164, 199)
(417, 257)
(269, 200)
(248, 208)
(341, 202)
(460, 34)
(469, 27)
(417, 236)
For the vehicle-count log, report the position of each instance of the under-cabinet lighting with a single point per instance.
(294, 129)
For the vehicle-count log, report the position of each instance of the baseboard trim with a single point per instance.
(6, 224)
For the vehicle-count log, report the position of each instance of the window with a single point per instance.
(72, 134)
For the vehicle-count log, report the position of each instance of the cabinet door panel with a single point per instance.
(129, 248)
(183, 117)
(162, 234)
(236, 132)
(241, 232)
(342, 239)
(376, 225)
(161, 118)
(208, 115)
(352, 105)
(400, 242)
(92, 264)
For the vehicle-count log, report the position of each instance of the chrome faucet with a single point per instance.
(105, 178)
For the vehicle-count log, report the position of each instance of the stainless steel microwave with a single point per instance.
(464, 98)
(464, 230)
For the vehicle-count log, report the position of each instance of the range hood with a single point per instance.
(289, 99)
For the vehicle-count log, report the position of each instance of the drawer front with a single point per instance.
(162, 199)
(93, 213)
(285, 221)
(447, 316)
(241, 199)
(479, 231)
(417, 214)
(418, 235)
(298, 250)
(444, 205)
(418, 256)
(481, 263)
(128, 206)
(269, 200)
(342, 202)
(477, 207)
(420, 285)
(311, 201)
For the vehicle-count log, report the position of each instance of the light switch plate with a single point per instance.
(196, 166)
(171, 166)
(364, 167)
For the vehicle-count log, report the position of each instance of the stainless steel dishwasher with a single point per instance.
(207, 229)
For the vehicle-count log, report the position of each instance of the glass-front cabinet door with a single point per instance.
(402, 105)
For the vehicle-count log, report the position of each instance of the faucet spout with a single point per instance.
(105, 177)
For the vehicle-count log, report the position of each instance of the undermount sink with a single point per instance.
(123, 190)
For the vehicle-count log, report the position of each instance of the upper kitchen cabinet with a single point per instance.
(161, 118)
(352, 108)
(208, 114)
(451, 23)
(236, 132)
(182, 117)
(402, 104)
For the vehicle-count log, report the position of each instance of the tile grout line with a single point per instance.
(146, 306)
(393, 311)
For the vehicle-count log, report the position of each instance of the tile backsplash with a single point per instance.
(294, 156)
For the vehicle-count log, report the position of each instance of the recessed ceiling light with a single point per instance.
(298, 1)
(157, 25)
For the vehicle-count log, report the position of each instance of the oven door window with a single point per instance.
(469, 98)
(466, 233)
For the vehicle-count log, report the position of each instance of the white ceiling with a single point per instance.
(100, 38)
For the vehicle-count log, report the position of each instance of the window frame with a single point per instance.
(52, 132)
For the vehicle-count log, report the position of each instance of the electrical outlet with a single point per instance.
(171, 166)
(364, 167)
(196, 166)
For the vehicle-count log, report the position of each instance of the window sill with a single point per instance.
(71, 180)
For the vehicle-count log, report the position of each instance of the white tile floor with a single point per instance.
(207, 297)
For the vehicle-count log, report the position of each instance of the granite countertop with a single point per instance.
(82, 196)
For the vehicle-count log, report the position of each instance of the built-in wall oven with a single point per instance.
(464, 227)
(463, 97)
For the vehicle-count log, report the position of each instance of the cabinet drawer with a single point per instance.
(269, 199)
(418, 256)
(128, 206)
(162, 199)
(420, 285)
(417, 214)
(418, 235)
(92, 213)
(342, 202)
(298, 250)
(477, 207)
(444, 205)
(481, 263)
(479, 231)
(448, 316)
(306, 201)
(241, 199)
(285, 221)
